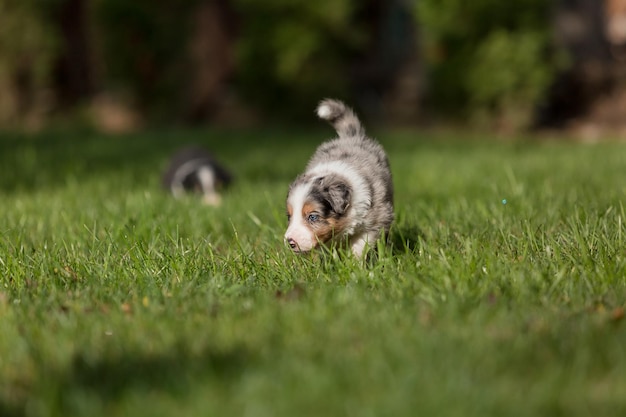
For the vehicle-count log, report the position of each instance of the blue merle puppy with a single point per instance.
(345, 193)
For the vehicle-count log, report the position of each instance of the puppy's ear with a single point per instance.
(337, 193)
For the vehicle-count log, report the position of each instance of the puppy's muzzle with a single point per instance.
(292, 244)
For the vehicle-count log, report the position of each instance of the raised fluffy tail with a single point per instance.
(341, 117)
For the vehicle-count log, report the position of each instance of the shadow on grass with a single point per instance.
(110, 380)
(405, 239)
(172, 372)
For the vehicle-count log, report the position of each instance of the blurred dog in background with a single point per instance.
(194, 170)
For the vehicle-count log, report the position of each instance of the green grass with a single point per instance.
(117, 300)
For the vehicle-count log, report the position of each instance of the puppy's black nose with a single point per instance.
(292, 243)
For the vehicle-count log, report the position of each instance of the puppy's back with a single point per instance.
(352, 148)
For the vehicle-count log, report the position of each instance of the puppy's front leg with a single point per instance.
(363, 243)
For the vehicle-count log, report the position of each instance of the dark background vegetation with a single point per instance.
(119, 64)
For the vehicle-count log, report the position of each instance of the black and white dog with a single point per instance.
(346, 191)
(194, 170)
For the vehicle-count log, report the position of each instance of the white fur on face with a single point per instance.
(298, 232)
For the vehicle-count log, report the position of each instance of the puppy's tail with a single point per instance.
(341, 117)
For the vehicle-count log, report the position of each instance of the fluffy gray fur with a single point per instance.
(354, 153)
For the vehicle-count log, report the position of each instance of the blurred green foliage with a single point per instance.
(508, 78)
(287, 55)
(290, 54)
(489, 60)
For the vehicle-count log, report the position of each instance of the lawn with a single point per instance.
(501, 293)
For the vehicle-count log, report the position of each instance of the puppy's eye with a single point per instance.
(313, 218)
(288, 217)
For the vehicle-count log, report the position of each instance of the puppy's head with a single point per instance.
(318, 209)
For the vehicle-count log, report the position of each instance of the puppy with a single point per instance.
(345, 193)
(193, 169)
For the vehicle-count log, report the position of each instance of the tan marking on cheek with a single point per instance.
(326, 228)
(289, 210)
(329, 228)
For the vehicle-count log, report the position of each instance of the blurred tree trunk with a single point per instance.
(609, 111)
(27, 48)
(403, 99)
(75, 76)
(388, 77)
(211, 51)
(590, 95)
